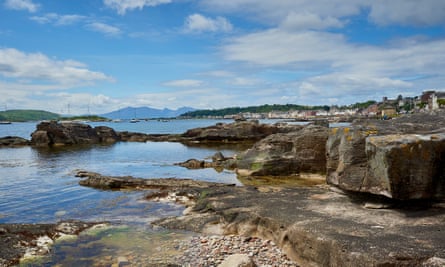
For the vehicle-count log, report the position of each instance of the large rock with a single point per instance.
(13, 141)
(238, 131)
(401, 159)
(286, 153)
(53, 133)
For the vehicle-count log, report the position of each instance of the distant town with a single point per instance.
(386, 109)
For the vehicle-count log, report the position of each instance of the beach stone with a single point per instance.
(238, 260)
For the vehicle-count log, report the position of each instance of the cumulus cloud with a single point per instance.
(183, 83)
(198, 23)
(22, 5)
(408, 12)
(57, 19)
(38, 69)
(304, 21)
(121, 6)
(331, 67)
(104, 28)
(322, 13)
(273, 12)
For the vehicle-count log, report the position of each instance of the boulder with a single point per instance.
(53, 133)
(400, 159)
(13, 141)
(287, 153)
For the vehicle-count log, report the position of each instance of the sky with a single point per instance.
(96, 56)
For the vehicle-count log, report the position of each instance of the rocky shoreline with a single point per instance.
(382, 202)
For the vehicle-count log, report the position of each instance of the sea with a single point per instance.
(38, 185)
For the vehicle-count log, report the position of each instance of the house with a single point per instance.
(387, 111)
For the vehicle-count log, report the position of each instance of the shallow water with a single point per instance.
(37, 185)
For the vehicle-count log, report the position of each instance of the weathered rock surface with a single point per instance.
(13, 141)
(319, 227)
(71, 133)
(286, 153)
(402, 159)
(237, 131)
(97, 180)
(16, 240)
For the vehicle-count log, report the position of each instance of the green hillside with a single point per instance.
(27, 115)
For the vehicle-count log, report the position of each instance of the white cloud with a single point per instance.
(38, 69)
(330, 67)
(274, 12)
(408, 12)
(303, 21)
(104, 28)
(57, 19)
(199, 23)
(121, 6)
(183, 83)
(22, 5)
(332, 12)
(277, 47)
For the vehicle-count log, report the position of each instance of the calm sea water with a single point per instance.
(39, 186)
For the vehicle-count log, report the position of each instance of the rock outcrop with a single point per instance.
(319, 227)
(286, 153)
(237, 131)
(13, 141)
(53, 133)
(401, 159)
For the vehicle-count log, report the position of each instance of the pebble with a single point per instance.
(212, 250)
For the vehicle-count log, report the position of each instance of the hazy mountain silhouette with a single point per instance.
(145, 113)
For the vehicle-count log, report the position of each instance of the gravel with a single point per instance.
(212, 250)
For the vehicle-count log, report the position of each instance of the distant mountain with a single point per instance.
(27, 115)
(145, 113)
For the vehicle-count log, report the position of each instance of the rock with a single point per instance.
(401, 159)
(71, 133)
(97, 180)
(320, 231)
(192, 164)
(106, 134)
(28, 240)
(13, 141)
(218, 156)
(237, 131)
(287, 153)
(238, 260)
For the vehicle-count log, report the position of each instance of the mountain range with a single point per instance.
(145, 113)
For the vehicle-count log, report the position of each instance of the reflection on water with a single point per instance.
(38, 185)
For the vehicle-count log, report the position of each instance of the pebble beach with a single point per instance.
(213, 250)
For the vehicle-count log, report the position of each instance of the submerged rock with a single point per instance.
(401, 159)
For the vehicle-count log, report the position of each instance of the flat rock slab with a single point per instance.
(320, 227)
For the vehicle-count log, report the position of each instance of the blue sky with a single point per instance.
(102, 55)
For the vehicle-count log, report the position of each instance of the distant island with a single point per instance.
(19, 115)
